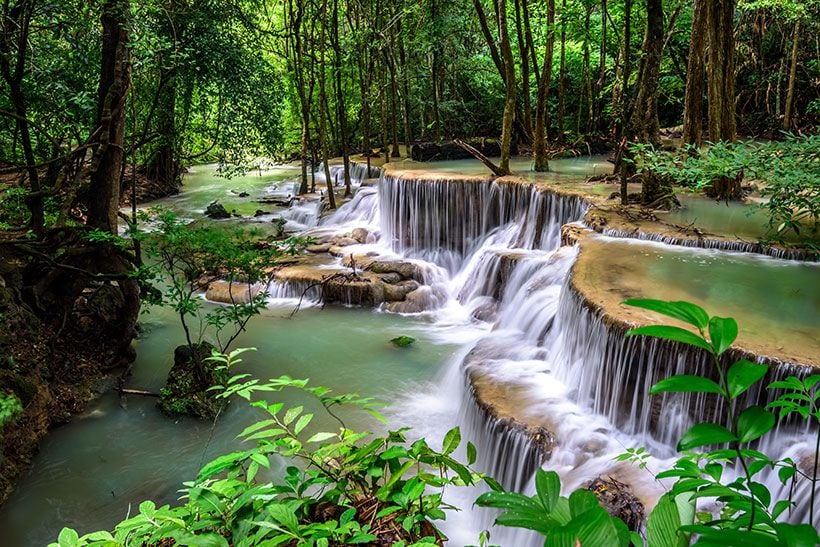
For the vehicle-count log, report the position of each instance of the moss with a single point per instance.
(186, 391)
(402, 341)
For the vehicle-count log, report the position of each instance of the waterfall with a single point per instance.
(553, 382)
(707, 243)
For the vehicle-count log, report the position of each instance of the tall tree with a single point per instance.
(544, 82)
(644, 124)
(115, 80)
(695, 73)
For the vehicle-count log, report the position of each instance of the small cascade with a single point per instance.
(362, 210)
(707, 243)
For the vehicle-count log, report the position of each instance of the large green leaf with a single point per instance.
(676, 334)
(663, 523)
(743, 375)
(722, 332)
(753, 423)
(686, 383)
(548, 488)
(451, 441)
(685, 311)
(704, 434)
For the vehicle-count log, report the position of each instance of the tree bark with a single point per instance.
(562, 74)
(509, 100)
(695, 73)
(789, 110)
(541, 105)
(644, 123)
(115, 80)
(721, 71)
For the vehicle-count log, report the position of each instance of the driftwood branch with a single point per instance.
(496, 170)
(142, 392)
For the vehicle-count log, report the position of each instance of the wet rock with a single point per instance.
(486, 311)
(391, 277)
(407, 270)
(618, 500)
(243, 194)
(186, 391)
(399, 291)
(345, 242)
(319, 248)
(261, 213)
(370, 182)
(216, 210)
(230, 293)
(416, 301)
(360, 235)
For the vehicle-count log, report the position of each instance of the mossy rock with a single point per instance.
(186, 391)
(402, 341)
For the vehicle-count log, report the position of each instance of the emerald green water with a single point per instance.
(202, 185)
(122, 452)
(776, 302)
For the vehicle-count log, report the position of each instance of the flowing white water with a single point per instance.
(495, 263)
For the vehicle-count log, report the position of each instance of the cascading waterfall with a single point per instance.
(495, 256)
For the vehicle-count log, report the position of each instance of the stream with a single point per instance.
(498, 306)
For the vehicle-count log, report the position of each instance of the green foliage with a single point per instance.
(350, 488)
(746, 511)
(787, 172)
(184, 253)
(562, 520)
(10, 408)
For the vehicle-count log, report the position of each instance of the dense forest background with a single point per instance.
(233, 80)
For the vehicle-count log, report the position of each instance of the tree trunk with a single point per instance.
(644, 123)
(721, 80)
(562, 74)
(541, 105)
(721, 71)
(115, 80)
(695, 73)
(523, 52)
(341, 111)
(509, 100)
(787, 118)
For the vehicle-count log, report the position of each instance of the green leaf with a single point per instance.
(704, 434)
(68, 538)
(582, 501)
(743, 375)
(675, 334)
(302, 422)
(753, 423)
(685, 383)
(471, 453)
(684, 311)
(319, 437)
(797, 535)
(451, 441)
(722, 332)
(548, 488)
(663, 523)
(291, 414)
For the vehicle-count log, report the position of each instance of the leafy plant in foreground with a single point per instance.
(350, 487)
(746, 511)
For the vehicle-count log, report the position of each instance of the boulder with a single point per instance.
(227, 293)
(407, 270)
(186, 390)
(414, 302)
(260, 213)
(319, 248)
(399, 291)
(345, 241)
(216, 210)
(360, 235)
(391, 277)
